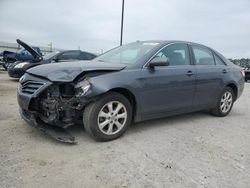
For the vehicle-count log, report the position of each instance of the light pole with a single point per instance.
(50, 46)
(122, 22)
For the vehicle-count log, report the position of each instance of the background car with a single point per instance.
(1, 59)
(16, 70)
(134, 82)
(247, 74)
(21, 55)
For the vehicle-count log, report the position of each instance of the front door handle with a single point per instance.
(224, 71)
(190, 73)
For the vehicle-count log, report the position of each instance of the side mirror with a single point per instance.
(158, 61)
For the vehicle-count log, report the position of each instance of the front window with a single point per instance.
(177, 54)
(127, 54)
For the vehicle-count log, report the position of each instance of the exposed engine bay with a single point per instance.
(59, 105)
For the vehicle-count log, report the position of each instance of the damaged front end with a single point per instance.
(52, 107)
(52, 97)
(59, 105)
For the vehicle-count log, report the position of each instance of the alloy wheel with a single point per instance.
(112, 117)
(226, 102)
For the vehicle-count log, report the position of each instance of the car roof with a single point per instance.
(77, 51)
(165, 42)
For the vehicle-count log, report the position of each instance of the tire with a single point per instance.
(227, 98)
(5, 67)
(100, 119)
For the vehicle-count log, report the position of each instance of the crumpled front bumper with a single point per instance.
(55, 132)
(30, 116)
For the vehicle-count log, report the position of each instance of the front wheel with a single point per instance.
(225, 103)
(109, 117)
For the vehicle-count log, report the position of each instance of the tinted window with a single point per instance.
(86, 56)
(218, 60)
(91, 56)
(83, 56)
(69, 55)
(23, 52)
(203, 56)
(178, 54)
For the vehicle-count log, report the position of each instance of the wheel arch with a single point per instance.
(234, 87)
(129, 95)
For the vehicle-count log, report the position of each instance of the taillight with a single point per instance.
(242, 72)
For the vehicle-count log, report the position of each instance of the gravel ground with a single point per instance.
(193, 150)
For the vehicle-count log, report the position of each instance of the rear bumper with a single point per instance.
(241, 85)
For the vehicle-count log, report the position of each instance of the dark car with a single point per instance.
(21, 55)
(134, 82)
(247, 74)
(1, 58)
(16, 70)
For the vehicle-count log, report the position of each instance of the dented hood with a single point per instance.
(68, 71)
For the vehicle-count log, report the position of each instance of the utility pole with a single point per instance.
(50, 46)
(122, 22)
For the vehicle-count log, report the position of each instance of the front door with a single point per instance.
(169, 88)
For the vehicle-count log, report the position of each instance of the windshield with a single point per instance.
(49, 55)
(127, 54)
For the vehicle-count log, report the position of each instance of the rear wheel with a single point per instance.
(225, 103)
(109, 117)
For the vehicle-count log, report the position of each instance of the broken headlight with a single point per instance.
(83, 87)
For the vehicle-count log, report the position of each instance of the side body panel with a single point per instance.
(167, 89)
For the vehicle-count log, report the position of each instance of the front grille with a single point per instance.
(30, 87)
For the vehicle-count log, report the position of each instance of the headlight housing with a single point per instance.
(22, 78)
(21, 65)
(83, 87)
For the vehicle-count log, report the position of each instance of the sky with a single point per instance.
(94, 25)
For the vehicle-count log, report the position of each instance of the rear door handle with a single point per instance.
(224, 71)
(190, 73)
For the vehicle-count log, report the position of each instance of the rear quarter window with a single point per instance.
(203, 56)
(218, 61)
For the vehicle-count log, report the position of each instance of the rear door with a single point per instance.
(209, 78)
(169, 88)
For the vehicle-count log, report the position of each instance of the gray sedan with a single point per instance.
(134, 82)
